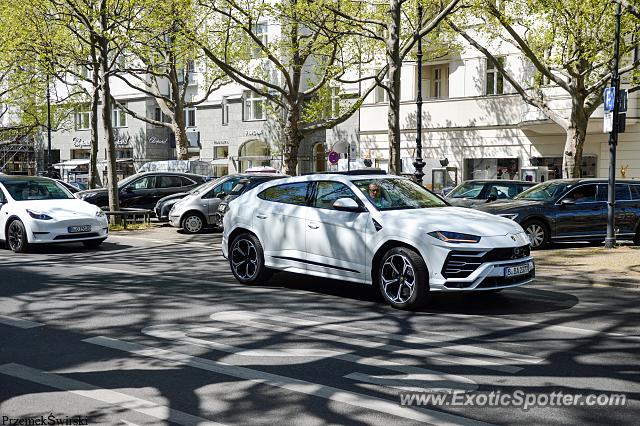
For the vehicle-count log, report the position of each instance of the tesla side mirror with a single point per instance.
(492, 197)
(567, 202)
(346, 205)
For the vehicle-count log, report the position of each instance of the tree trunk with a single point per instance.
(574, 144)
(180, 132)
(107, 125)
(395, 64)
(94, 177)
(293, 137)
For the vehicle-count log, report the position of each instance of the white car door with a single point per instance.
(336, 240)
(280, 223)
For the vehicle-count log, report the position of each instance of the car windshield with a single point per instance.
(397, 194)
(548, 191)
(27, 190)
(126, 181)
(467, 190)
(204, 187)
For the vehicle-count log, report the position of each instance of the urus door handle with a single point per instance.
(261, 216)
(313, 225)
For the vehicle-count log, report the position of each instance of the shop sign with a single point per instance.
(157, 141)
(79, 142)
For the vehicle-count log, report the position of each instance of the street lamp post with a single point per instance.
(419, 164)
(48, 127)
(613, 138)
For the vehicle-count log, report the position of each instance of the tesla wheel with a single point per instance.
(403, 279)
(246, 258)
(92, 244)
(17, 237)
(537, 233)
(193, 223)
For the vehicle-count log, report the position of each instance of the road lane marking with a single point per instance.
(118, 271)
(76, 387)
(404, 382)
(288, 383)
(438, 379)
(251, 319)
(19, 322)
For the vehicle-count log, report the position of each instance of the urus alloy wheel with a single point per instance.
(403, 278)
(398, 278)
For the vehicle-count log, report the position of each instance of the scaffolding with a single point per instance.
(18, 157)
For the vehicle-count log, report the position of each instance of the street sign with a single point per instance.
(622, 107)
(334, 157)
(609, 98)
(607, 122)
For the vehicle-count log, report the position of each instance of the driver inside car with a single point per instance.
(375, 196)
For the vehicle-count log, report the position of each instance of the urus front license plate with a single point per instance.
(514, 271)
(82, 228)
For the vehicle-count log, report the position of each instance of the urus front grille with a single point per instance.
(461, 264)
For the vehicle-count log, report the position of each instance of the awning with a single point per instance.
(70, 164)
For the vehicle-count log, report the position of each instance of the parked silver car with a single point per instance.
(198, 209)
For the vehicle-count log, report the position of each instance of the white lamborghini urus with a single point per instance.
(374, 229)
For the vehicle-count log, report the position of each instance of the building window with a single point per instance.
(381, 94)
(260, 31)
(191, 67)
(83, 71)
(220, 152)
(190, 117)
(254, 106)
(225, 111)
(83, 117)
(119, 117)
(333, 106)
(495, 80)
(491, 168)
(122, 153)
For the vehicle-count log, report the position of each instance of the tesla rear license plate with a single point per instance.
(514, 271)
(81, 228)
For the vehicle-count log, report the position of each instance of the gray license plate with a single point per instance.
(81, 228)
(514, 271)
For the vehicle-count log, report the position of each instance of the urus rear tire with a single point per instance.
(403, 279)
(246, 258)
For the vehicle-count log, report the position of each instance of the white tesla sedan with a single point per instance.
(36, 210)
(373, 229)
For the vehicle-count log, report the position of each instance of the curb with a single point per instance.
(595, 282)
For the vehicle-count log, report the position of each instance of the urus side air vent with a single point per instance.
(376, 225)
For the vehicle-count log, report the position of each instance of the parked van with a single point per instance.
(181, 166)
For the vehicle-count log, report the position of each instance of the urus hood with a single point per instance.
(455, 219)
(61, 209)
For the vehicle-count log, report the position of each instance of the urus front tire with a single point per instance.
(17, 237)
(403, 279)
(246, 258)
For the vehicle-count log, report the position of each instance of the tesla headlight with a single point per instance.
(455, 237)
(511, 216)
(38, 215)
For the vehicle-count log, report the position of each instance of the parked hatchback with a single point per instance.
(572, 210)
(198, 209)
(478, 192)
(143, 190)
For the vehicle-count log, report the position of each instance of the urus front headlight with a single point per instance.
(100, 214)
(455, 237)
(38, 215)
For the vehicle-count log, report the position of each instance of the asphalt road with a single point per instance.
(153, 329)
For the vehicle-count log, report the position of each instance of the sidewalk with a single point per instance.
(594, 266)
